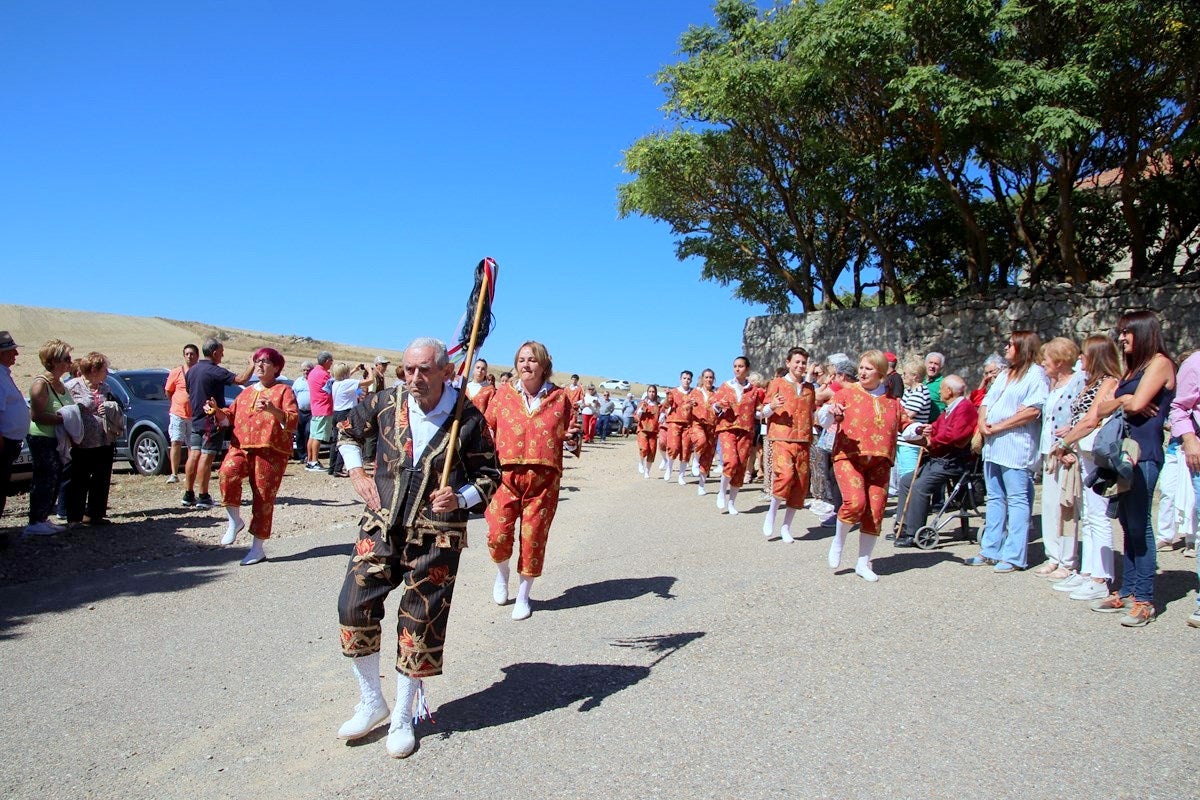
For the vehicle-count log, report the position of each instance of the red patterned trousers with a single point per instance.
(863, 481)
(264, 468)
(676, 441)
(528, 492)
(704, 444)
(735, 455)
(647, 444)
(789, 472)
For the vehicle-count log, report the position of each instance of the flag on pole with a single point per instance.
(486, 272)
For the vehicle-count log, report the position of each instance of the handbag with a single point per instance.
(977, 442)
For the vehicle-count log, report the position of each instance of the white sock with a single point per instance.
(721, 492)
(769, 522)
(406, 692)
(786, 530)
(521, 608)
(729, 504)
(667, 474)
(255, 553)
(366, 670)
(681, 481)
(866, 543)
(695, 466)
(500, 590)
(839, 541)
(235, 524)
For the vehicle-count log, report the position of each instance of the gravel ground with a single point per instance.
(672, 653)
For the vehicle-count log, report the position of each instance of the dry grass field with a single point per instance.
(141, 342)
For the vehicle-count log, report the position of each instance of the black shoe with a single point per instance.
(204, 501)
(905, 541)
(189, 498)
(891, 537)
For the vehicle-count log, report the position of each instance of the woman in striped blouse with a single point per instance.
(1008, 420)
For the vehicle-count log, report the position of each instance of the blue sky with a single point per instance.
(337, 170)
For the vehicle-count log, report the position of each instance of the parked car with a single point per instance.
(613, 384)
(143, 395)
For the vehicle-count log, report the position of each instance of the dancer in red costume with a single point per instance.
(678, 407)
(647, 429)
(789, 414)
(736, 405)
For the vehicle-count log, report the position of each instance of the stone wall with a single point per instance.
(967, 329)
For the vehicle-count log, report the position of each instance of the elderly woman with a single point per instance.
(263, 418)
(868, 423)
(1144, 395)
(918, 404)
(1058, 360)
(993, 365)
(47, 398)
(530, 419)
(1008, 420)
(103, 421)
(1101, 369)
(345, 391)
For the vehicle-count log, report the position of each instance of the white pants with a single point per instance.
(1059, 549)
(1175, 506)
(1095, 528)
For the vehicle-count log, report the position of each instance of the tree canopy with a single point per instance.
(837, 152)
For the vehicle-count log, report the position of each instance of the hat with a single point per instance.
(891, 357)
(381, 360)
(6, 341)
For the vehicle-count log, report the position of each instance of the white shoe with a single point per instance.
(1091, 590)
(641, 469)
(646, 474)
(681, 481)
(695, 468)
(253, 557)
(1069, 584)
(729, 509)
(521, 609)
(401, 741)
(700, 490)
(786, 535)
(865, 572)
(366, 716)
(173, 479)
(667, 475)
(231, 532)
(500, 590)
(720, 500)
(45, 528)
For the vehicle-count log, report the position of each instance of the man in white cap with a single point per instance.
(14, 414)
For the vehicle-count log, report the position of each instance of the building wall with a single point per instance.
(967, 329)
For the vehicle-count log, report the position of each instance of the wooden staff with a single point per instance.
(462, 393)
(908, 497)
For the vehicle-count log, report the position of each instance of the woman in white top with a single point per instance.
(1058, 359)
(345, 392)
(588, 407)
(1008, 420)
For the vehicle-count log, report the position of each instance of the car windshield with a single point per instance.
(146, 386)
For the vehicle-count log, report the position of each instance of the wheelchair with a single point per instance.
(964, 501)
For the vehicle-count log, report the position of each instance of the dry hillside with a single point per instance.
(140, 342)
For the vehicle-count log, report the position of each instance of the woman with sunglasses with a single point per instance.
(264, 418)
(1144, 395)
(1008, 420)
(47, 398)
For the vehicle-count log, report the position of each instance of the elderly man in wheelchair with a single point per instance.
(947, 456)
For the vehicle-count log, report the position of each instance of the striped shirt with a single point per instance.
(1015, 448)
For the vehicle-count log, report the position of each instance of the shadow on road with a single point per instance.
(530, 689)
(342, 549)
(591, 594)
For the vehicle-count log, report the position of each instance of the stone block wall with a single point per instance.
(966, 330)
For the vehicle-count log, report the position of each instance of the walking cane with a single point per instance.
(908, 497)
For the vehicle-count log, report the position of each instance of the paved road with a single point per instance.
(672, 653)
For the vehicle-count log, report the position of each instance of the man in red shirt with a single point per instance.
(948, 456)
(320, 427)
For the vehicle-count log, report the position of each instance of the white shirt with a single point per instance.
(422, 427)
(14, 411)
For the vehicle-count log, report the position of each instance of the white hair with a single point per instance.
(439, 348)
(941, 358)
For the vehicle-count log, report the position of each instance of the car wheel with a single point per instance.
(148, 453)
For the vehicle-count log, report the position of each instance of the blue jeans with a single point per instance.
(603, 422)
(1006, 522)
(1139, 560)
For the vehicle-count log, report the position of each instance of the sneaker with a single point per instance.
(44, 528)
(172, 479)
(1142, 613)
(314, 466)
(1194, 620)
(204, 501)
(1090, 590)
(1069, 584)
(189, 498)
(366, 716)
(1111, 604)
(401, 741)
